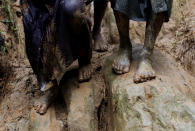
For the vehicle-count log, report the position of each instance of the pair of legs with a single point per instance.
(99, 11)
(74, 25)
(122, 62)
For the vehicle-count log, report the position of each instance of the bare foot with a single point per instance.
(42, 104)
(99, 44)
(85, 72)
(122, 61)
(145, 71)
(17, 3)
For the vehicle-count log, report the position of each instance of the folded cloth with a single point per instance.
(137, 9)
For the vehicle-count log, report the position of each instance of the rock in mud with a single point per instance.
(81, 106)
(166, 103)
(82, 101)
(46, 122)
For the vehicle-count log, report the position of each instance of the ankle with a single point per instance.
(125, 45)
(97, 36)
(95, 32)
(146, 54)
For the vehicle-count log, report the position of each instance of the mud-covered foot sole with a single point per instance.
(99, 44)
(121, 63)
(85, 73)
(145, 72)
(42, 104)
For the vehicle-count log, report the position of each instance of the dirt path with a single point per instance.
(17, 102)
(19, 90)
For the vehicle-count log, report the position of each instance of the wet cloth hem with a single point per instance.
(141, 19)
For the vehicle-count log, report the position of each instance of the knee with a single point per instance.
(70, 7)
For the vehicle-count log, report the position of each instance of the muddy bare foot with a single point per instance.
(99, 44)
(42, 104)
(85, 72)
(17, 3)
(145, 72)
(121, 63)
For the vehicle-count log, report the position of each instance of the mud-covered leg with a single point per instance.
(121, 63)
(49, 86)
(145, 71)
(78, 25)
(41, 105)
(99, 11)
(85, 52)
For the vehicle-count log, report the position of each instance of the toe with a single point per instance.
(117, 69)
(105, 48)
(37, 106)
(120, 68)
(150, 74)
(38, 109)
(126, 69)
(114, 66)
(85, 75)
(137, 78)
(144, 75)
(89, 74)
(118, 72)
(153, 74)
(143, 79)
(43, 109)
(80, 76)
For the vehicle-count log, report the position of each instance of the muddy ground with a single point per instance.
(18, 85)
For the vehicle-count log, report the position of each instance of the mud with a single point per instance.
(18, 85)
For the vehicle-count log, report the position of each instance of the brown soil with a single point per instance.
(18, 85)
